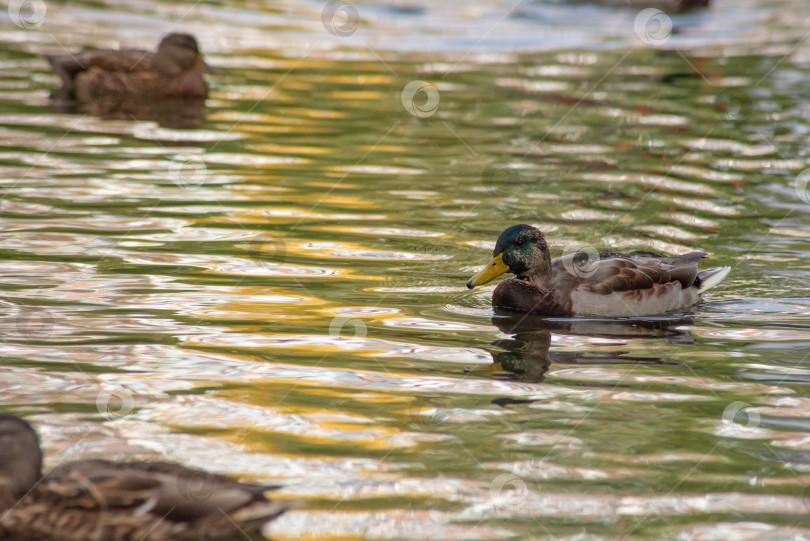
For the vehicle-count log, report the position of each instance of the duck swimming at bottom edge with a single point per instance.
(610, 285)
(102, 500)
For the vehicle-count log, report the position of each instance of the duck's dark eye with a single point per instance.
(520, 242)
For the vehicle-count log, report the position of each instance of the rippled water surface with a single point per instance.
(278, 293)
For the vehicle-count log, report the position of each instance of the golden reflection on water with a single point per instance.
(291, 306)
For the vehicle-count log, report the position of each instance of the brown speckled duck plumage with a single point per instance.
(102, 500)
(114, 77)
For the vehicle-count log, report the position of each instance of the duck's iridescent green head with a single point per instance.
(519, 250)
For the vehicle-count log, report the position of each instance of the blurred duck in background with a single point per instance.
(102, 500)
(133, 82)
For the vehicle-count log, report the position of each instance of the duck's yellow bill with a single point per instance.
(494, 268)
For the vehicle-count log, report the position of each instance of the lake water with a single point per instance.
(278, 292)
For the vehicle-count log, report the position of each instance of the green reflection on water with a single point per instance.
(294, 307)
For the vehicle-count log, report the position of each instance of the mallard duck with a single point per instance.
(605, 285)
(102, 500)
(116, 76)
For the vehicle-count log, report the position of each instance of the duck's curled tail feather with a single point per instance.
(709, 278)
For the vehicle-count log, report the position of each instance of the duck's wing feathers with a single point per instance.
(642, 270)
(168, 490)
(94, 484)
(613, 272)
(121, 60)
(99, 500)
(68, 66)
(634, 284)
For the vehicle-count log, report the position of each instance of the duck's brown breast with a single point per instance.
(520, 296)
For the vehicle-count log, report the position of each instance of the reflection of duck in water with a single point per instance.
(600, 284)
(98, 499)
(131, 80)
(527, 356)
